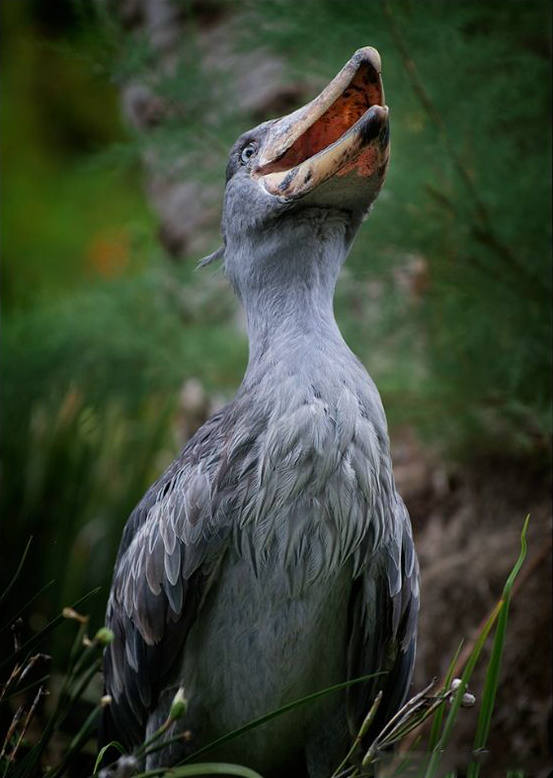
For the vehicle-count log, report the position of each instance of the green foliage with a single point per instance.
(58, 231)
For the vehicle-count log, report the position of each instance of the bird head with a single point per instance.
(299, 186)
(331, 153)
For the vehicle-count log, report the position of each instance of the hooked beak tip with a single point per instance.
(343, 129)
(370, 55)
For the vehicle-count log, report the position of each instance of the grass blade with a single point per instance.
(494, 665)
(16, 615)
(25, 689)
(278, 712)
(452, 716)
(36, 639)
(203, 768)
(439, 715)
(360, 735)
(85, 733)
(266, 717)
(15, 576)
(113, 744)
(31, 759)
(471, 663)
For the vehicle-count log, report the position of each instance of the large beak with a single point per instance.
(341, 134)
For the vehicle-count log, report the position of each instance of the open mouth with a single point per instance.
(343, 130)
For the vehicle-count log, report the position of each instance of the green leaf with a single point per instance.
(102, 751)
(494, 665)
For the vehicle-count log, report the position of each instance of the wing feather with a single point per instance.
(171, 542)
(383, 618)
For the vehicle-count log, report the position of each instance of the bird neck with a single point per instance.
(289, 295)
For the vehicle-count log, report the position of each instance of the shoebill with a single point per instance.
(274, 558)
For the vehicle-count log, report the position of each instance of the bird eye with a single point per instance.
(248, 152)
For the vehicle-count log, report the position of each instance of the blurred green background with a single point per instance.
(446, 297)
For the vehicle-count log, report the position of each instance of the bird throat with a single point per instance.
(288, 297)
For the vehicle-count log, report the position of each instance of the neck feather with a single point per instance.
(286, 279)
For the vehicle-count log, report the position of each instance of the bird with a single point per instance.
(275, 558)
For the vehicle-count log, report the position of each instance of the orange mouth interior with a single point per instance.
(362, 92)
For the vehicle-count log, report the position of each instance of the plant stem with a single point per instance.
(362, 732)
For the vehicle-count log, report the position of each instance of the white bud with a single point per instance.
(456, 682)
(468, 700)
(71, 613)
(126, 766)
(178, 706)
